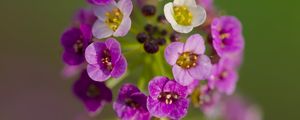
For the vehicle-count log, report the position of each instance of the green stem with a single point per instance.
(111, 83)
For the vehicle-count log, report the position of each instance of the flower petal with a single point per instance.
(125, 6)
(178, 2)
(181, 28)
(199, 15)
(157, 108)
(169, 12)
(173, 86)
(173, 51)
(101, 30)
(156, 86)
(180, 109)
(96, 73)
(114, 49)
(203, 68)
(72, 58)
(124, 27)
(181, 75)
(93, 51)
(101, 10)
(195, 44)
(190, 3)
(119, 68)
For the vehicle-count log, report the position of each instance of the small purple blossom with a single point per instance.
(84, 16)
(227, 35)
(113, 19)
(188, 60)
(93, 94)
(207, 4)
(167, 98)
(105, 60)
(131, 104)
(74, 41)
(100, 2)
(224, 77)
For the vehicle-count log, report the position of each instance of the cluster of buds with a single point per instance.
(179, 65)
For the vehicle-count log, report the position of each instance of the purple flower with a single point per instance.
(105, 60)
(131, 104)
(113, 19)
(227, 35)
(100, 2)
(74, 41)
(224, 76)
(167, 98)
(85, 16)
(207, 4)
(92, 93)
(188, 60)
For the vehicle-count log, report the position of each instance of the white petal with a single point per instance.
(124, 27)
(178, 2)
(190, 3)
(169, 12)
(101, 10)
(125, 6)
(101, 30)
(181, 28)
(199, 15)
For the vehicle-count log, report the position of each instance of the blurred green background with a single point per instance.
(32, 88)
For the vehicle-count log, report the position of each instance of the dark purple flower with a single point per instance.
(85, 16)
(74, 41)
(105, 60)
(167, 98)
(227, 35)
(224, 76)
(93, 94)
(99, 2)
(188, 60)
(131, 104)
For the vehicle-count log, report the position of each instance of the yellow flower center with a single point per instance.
(114, 19)
(182, 15)
(187, 60)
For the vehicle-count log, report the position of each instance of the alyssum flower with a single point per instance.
(184, 15)
(227, 35)
(113, 19)
(92, 93)
(131, 104)
(167, 98)
(105, 60)
(188, 60)
(74, 41)
(224, 76)
(99, 2)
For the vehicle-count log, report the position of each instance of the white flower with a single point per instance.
(113, 19)
(184, 15)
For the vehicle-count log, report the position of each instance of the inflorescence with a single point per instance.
(189, 53)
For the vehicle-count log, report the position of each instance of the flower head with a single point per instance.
(100, 2)
(188, 60)
(227, 35)
(84, 16)
(224, 76)
(184, 15)
(167, 98)
(131, 104)
(92, 93)
(74, 41)
(105, 60)
(113, 19)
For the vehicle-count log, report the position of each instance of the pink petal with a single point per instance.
(173, 51)
(195, 44)
(182, 76)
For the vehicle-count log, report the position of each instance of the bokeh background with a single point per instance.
(32, 88)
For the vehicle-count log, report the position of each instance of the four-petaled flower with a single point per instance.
(184, 15)
(74, 41)
(227, 35)
(113, 19)
(188, 60)
(93, 94)
(167, 98)
(224, 76)
(105, 60)
(131, 104)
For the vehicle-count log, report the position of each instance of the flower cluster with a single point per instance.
(191, 54)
